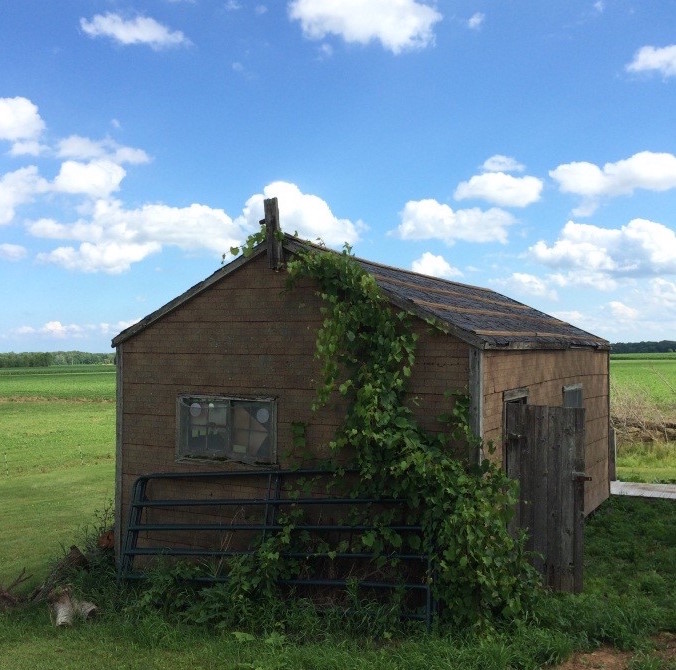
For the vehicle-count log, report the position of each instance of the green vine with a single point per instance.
(367, 352)
(252, 241)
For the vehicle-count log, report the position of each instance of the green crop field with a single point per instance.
(56, 460)
(652, 374)
(643, 405)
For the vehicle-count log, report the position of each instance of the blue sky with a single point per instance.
(529, 147)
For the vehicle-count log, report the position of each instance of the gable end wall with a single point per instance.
(247, 335)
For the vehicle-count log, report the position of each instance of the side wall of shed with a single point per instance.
(544, 374)
(248, 335)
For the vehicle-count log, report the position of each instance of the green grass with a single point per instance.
(56, 460)
(643, 404)
(651, 374)
(56, 470)
(77, 382)
(647, 462)
(630, 593)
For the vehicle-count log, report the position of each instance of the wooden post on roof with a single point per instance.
(273, 233)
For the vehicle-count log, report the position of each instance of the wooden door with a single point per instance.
(545, 453)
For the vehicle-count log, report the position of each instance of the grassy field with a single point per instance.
(630, 594)
(56, 471)
(643, 404)
(56, 460)
(651, 374)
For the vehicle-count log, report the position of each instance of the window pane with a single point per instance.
(572, 397)
(251, 435)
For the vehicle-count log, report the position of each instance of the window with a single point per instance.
(216, 427)
(510, 440)
(572, 396)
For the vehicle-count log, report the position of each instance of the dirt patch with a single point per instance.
(607, 658)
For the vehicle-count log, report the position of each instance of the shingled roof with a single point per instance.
(481, 317)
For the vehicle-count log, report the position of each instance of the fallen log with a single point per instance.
(8, 600)
(73, 561)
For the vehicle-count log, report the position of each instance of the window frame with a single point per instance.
(568, 390)
(225, 453)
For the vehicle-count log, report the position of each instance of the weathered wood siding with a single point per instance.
(544, 374)
(247, 335)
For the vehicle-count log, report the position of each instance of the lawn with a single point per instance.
(56, 460)
(630, 594)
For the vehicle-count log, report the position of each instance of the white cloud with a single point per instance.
(664, 292)
(57, 330)
(260, 10)
(140, 30)
(397, 24)
(428, 219)
(654, 59)
(501, 163)
(325, 51)
(435, 266)
(98, 178)
(19, 120)
(523, 283)
(83, 148)
(569, 316)
(641, 248)
(307, 214)
(232, 6)
(622, 312)
(27, 148)
(501, 189)
(582, 278)
(110, 257)
(17, 188)
(645, 170)
(12, 252)
(112, 238)
(476, 21)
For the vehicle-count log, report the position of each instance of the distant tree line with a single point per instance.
(38, 359)
(662, 347)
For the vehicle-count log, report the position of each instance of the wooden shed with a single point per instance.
(216, 380)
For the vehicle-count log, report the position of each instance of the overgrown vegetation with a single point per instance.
(367, 352)
(630, 594)
(630, 563)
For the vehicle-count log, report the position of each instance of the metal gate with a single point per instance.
(168, 509)
(544, 451)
